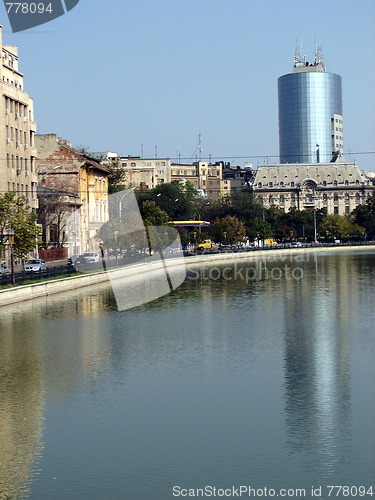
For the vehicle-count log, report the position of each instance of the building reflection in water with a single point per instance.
(317, 384)
(26, 356)
(21, 404)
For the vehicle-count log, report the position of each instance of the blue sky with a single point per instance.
(118, 74)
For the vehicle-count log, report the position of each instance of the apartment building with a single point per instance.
(79, 186)
(17, 129)
(144, 173)
(204, 176)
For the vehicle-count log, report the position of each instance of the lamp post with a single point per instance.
(115, 234)
(49, 171)
(122, 197)
(10, 235)
(225, 237)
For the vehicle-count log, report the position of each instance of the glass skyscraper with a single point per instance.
(310, 113)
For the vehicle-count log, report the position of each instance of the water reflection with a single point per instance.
(246, 367)
(21, 404)
(317, 357)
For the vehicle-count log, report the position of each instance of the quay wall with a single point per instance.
(45, 288)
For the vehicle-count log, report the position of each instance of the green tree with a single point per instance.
(153, 215)
(15, 214)
(228, 230)
(178, 200)
(116, 180)
(364, 215)
(259, 229)
(339, 227)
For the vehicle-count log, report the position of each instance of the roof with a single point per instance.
(85, 158)
(190, 223)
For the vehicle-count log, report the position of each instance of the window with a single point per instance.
(335, 197)
(292, 184)
(335, 210)
(259, 184)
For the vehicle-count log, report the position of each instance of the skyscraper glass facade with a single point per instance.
(310, 117)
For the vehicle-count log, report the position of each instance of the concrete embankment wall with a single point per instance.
(42, 289)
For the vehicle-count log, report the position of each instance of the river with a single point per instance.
(257, 374)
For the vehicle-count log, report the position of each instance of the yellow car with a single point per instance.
(206, 244)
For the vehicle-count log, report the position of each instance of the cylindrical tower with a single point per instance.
(310, 113)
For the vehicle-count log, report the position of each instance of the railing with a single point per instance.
(61, 271)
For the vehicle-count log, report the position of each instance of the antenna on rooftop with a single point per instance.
(318, 55)
(200, 146)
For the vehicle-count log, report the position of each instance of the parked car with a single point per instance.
(296, 244)
(34, 266)
(91, 257)
(4, 271)
(206, 244)
(80, 260)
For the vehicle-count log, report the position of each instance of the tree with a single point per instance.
(153, 215)
(339, 227)
(55, 206)
(116, 180)
(228, 230)
(178, 200)
(15, 214)
(260, 229)
(364, 215)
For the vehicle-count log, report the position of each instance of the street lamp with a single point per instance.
(10, 235)
(115, 234)
(122, 197)
(49, 171)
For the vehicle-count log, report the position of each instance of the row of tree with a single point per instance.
(239, 215)
(232, 218)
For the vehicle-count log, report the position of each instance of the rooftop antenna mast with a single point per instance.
(200, 146)
(318, 55)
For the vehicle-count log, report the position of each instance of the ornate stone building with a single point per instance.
(337, 188)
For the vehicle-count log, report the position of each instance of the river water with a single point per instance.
(258, 374)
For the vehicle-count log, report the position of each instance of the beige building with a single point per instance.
(17, 129)
(335, 187)
(79, 186)
(145, 173)
(204, 176)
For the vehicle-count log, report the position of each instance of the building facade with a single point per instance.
(206, 177)
(17, 129)
(77, 187)
(310, 113)
(337, 188)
